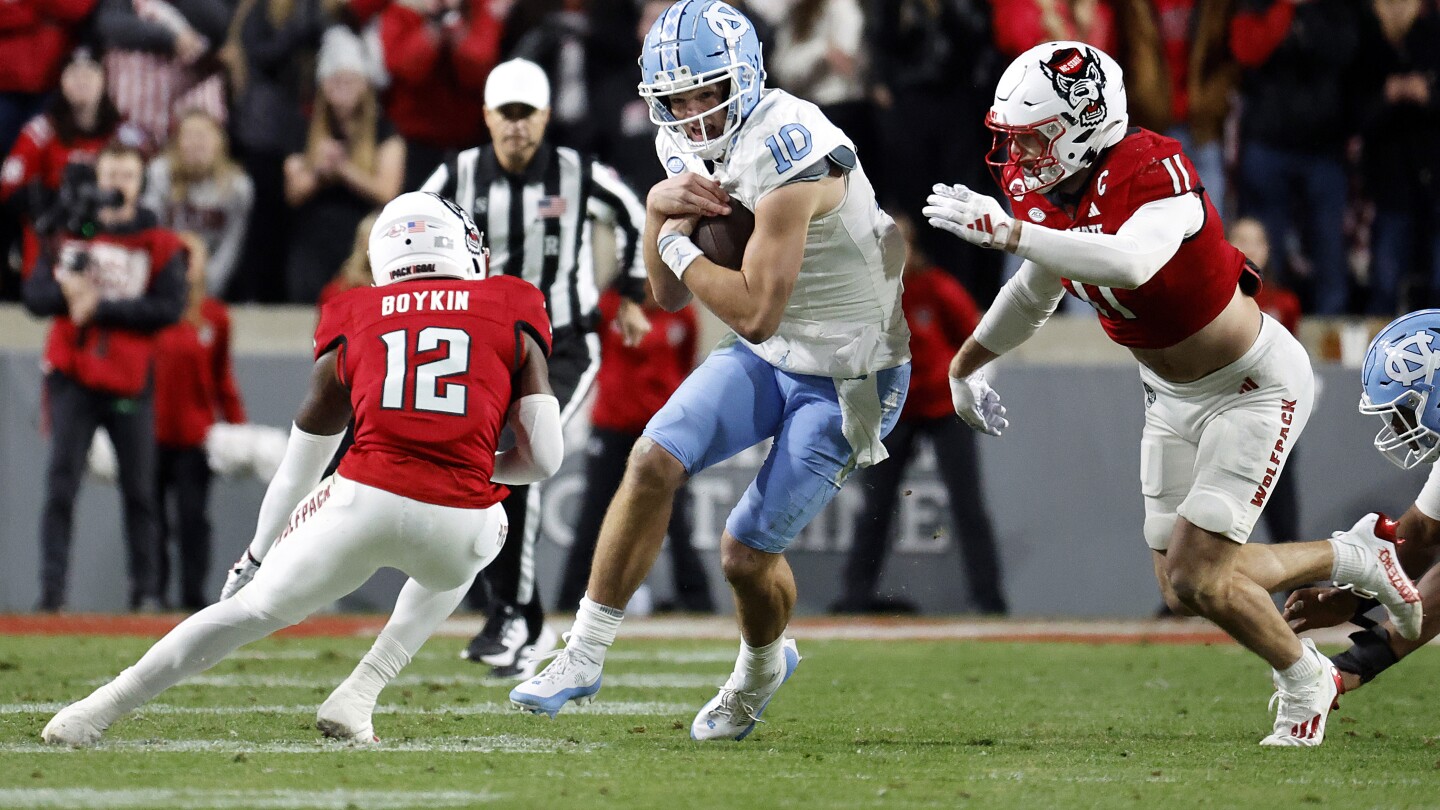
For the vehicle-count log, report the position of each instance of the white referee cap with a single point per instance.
(518, 81)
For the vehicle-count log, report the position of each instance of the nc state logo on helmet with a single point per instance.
(423, 235)
(1056, 107)
(1398, 385)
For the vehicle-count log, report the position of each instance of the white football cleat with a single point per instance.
(74, 726)
(1372, 540)
(346, 717)
(1300, 721)
(733, 713)
(572, 676)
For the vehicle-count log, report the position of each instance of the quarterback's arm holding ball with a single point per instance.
(535, 419)
(684, 195)
(753, 300)
(314, 438)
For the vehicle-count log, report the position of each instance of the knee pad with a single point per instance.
(1211, 512)
(1158, 529)
(1370, 656)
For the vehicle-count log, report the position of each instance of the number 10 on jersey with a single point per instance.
(431, 393)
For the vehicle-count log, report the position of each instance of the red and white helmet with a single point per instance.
(1056, 107)
(423, 235)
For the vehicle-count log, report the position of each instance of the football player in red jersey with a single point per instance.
(431, 369)
(1117, 218)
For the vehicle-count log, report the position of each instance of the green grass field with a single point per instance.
(862, 724)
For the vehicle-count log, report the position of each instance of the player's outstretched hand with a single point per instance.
(688, 195)
(974, 217)
(978, 404)
(240, 575)
(1314, 608)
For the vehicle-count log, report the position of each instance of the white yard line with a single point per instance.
(494, 744)
(643, 656)
(658, 680)
(600, 707)
(196, 799)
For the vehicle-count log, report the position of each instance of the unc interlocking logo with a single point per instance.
(1411, 360)
(726, 22)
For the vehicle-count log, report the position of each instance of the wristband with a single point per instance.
(678, 253)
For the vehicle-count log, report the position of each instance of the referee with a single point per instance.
(538, 204)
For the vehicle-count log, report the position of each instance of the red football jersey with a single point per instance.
(941, 314)
(429, 365)
(1198, 281)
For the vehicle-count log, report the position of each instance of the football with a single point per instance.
(722, 238)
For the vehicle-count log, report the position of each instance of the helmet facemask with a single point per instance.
(742, 80)
(1022, 158)
(1404, 439)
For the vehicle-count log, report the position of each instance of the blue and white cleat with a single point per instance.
(572, 676)
(732, 714)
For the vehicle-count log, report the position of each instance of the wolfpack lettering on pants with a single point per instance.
(1287, 415)
(303, 512)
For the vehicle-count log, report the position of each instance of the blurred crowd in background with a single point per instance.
(269, 131)
(274, 126)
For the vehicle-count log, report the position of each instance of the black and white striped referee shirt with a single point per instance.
(538, 224)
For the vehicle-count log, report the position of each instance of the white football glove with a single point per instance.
(978, 404)
(970, 215)
(240, 575)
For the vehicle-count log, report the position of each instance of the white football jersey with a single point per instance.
(844, 318)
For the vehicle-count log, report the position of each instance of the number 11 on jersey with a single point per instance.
(1119, 310)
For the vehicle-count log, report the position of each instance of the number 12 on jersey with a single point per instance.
(431, 392)
(1115, 311)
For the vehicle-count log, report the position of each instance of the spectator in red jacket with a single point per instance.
(941, 314)
(109, 295)
(439, 54)
(1022, 24)
(634, 380)
(194, 383)
(35, 36)
(77, 123)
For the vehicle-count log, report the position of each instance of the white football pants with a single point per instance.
(339, 535)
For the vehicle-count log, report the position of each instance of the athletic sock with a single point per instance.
(758, 666)
(594, 629)
(376, 670)
(1301, 671)
(195, 645)
(1350, 559)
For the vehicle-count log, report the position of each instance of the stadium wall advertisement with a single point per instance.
(1062, 485)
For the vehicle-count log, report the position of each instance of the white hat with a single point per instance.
(340, 50)
(518, 81)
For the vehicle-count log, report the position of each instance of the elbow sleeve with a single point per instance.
(1020, 309)
(306, 456)
(539, 442)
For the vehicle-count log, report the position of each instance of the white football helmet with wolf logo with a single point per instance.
(1056, 107)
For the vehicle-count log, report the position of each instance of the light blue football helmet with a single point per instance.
(1398, 382)
(696, 43)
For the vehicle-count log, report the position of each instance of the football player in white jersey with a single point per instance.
(819, 359)
(1399, 386)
